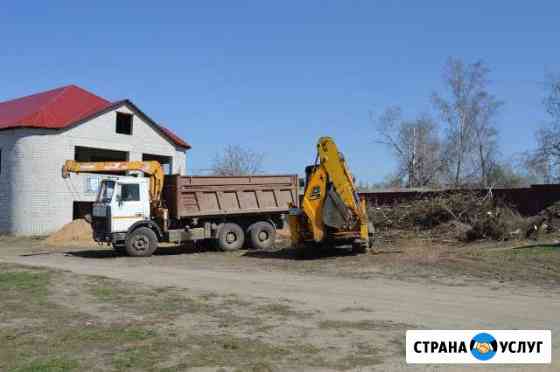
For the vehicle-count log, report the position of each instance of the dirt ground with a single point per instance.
(193, 309)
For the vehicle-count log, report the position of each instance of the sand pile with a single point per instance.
(77, 231)
(283, 234)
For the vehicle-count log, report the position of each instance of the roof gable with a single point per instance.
(62, 108)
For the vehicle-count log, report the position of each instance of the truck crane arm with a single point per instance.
(150, 168)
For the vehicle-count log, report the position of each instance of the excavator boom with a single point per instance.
(341, 196)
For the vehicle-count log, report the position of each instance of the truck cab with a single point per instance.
(121, 203)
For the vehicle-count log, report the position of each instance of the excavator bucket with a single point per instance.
(335, 213)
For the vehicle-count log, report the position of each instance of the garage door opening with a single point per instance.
(82, 210)
(165, 161)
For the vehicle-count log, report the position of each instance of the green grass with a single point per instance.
(33, 284)
(142, 301)
(103, 334)
(53, 364)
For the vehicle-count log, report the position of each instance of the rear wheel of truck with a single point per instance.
(142, 242)
(230, 237)
(262, 235)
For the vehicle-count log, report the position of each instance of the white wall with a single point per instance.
(39, 200)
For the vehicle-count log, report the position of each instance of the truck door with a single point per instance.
(129, 206)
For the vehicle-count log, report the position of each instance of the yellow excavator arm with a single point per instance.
(150, 168)
(330, 206)
(340, 177)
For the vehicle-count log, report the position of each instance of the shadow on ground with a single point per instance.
(288, 252)
(163, 251)
(283, 251)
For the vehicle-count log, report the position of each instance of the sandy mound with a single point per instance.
(77, 231)
(283, 233)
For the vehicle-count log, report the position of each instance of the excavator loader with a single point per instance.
(331, 212)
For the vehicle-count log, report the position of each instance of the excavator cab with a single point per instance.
(331, 211)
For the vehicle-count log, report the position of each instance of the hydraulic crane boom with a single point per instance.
(150, 168)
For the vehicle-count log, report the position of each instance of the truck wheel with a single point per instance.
(262, 235)
(230, 237)
(142, 242)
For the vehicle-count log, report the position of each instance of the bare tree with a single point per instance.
(237, 161)
(415, 145)
(545, 160)
(552, 100)
(504, 174)
(486, 141)
(468, 110)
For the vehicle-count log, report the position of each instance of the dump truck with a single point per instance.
(135, 213)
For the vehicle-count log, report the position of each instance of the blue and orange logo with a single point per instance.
(483, 346)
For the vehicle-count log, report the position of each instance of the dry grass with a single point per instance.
(57, 321)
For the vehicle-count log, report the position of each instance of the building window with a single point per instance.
(124, 123)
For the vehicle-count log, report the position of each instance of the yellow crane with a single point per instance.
(331, 210)
(151, 168)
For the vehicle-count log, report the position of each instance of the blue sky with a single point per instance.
(275, 76)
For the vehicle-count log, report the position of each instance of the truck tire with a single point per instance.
(142, 242)
(262, 235)
(230, 237)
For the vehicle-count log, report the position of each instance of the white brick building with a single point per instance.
(39, 133)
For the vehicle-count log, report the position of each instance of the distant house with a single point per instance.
(38, 133)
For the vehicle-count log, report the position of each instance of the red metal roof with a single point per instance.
(175, 138)
(60, 108)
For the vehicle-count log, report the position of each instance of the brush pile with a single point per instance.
(461, 215)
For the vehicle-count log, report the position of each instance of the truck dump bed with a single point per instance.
(201, 196)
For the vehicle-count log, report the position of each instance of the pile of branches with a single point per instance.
(460, 215)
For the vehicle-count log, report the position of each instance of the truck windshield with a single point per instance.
(106, 192)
